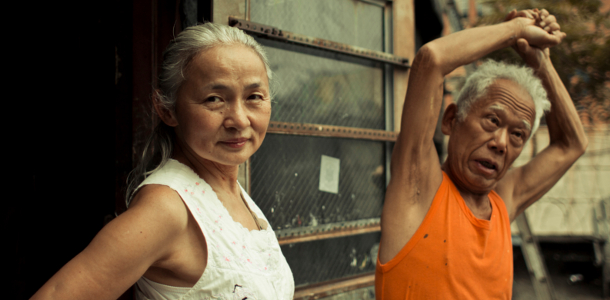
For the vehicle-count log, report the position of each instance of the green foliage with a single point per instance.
(582, 59)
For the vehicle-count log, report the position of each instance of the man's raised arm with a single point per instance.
(523, 186)
(415, 169)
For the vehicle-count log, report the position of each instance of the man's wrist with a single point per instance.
(517, 28)
(543, 68)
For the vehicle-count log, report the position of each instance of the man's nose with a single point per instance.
(500, 141)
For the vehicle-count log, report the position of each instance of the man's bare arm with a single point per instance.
(415, 168)
(525, 185)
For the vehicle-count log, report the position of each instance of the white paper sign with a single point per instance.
(329, 174)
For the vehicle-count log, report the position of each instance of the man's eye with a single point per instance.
(255, 97)
(518, 134)
(495, 120)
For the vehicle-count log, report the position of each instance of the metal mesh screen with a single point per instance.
(315, 87)
(346, 21)
(323, 87)
(286, 174)
(324, 260)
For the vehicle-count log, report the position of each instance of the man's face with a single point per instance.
(483, 146)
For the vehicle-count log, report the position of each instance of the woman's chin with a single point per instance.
(231, 160)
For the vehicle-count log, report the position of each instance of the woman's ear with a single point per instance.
(166, 116)
(449, 119)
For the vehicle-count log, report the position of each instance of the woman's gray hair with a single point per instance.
(176, 59)
(478, 83)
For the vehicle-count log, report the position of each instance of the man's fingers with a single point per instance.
(535, 14)
(555, 39)
(511, 15)
(543, 30)
(553, 27)
(523, 46)
(560, 35)
(547, 21)
(530, 14)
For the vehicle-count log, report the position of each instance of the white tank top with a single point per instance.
(241, 263)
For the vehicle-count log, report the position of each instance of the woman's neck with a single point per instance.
(218, 176)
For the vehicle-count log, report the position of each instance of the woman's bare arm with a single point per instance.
(123, 250)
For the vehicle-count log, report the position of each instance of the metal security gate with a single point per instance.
(321, 173)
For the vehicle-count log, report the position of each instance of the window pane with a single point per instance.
(286, 176)
(345, 21)
(321, 87)
(324, 260)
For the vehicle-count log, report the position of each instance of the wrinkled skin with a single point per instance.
(484, 145)
(223, 106)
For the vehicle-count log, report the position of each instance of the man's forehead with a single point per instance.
(511, 89)
(500, 108)
(503, 109)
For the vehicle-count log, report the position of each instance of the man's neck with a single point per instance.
(478, 202)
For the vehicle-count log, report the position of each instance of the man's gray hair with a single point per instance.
(478, 83)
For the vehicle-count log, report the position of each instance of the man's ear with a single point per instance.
(449, 118)
(166, 116)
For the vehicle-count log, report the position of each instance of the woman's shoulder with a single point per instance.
(169, 172)
(161, 202)
(174, 174)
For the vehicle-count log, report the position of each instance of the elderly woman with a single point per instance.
(191, 231)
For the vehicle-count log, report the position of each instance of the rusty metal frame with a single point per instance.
(291, 37)
(331, 131)
(247, 175)
(379, 3)
(333, 287)
(244, 176)
(340, 229)
(327, 231)
(388, 82)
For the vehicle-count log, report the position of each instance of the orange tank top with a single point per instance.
(452, 255)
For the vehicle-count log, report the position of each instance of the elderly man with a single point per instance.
(446, 228)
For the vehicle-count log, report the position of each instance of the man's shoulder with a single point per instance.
(505, 188)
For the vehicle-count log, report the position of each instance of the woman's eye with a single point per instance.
(255, 97)
(212, 99)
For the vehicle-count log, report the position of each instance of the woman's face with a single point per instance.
(223, 106)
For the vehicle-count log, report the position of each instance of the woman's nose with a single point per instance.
(236, 116)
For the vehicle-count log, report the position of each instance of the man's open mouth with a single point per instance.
(487, 164)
